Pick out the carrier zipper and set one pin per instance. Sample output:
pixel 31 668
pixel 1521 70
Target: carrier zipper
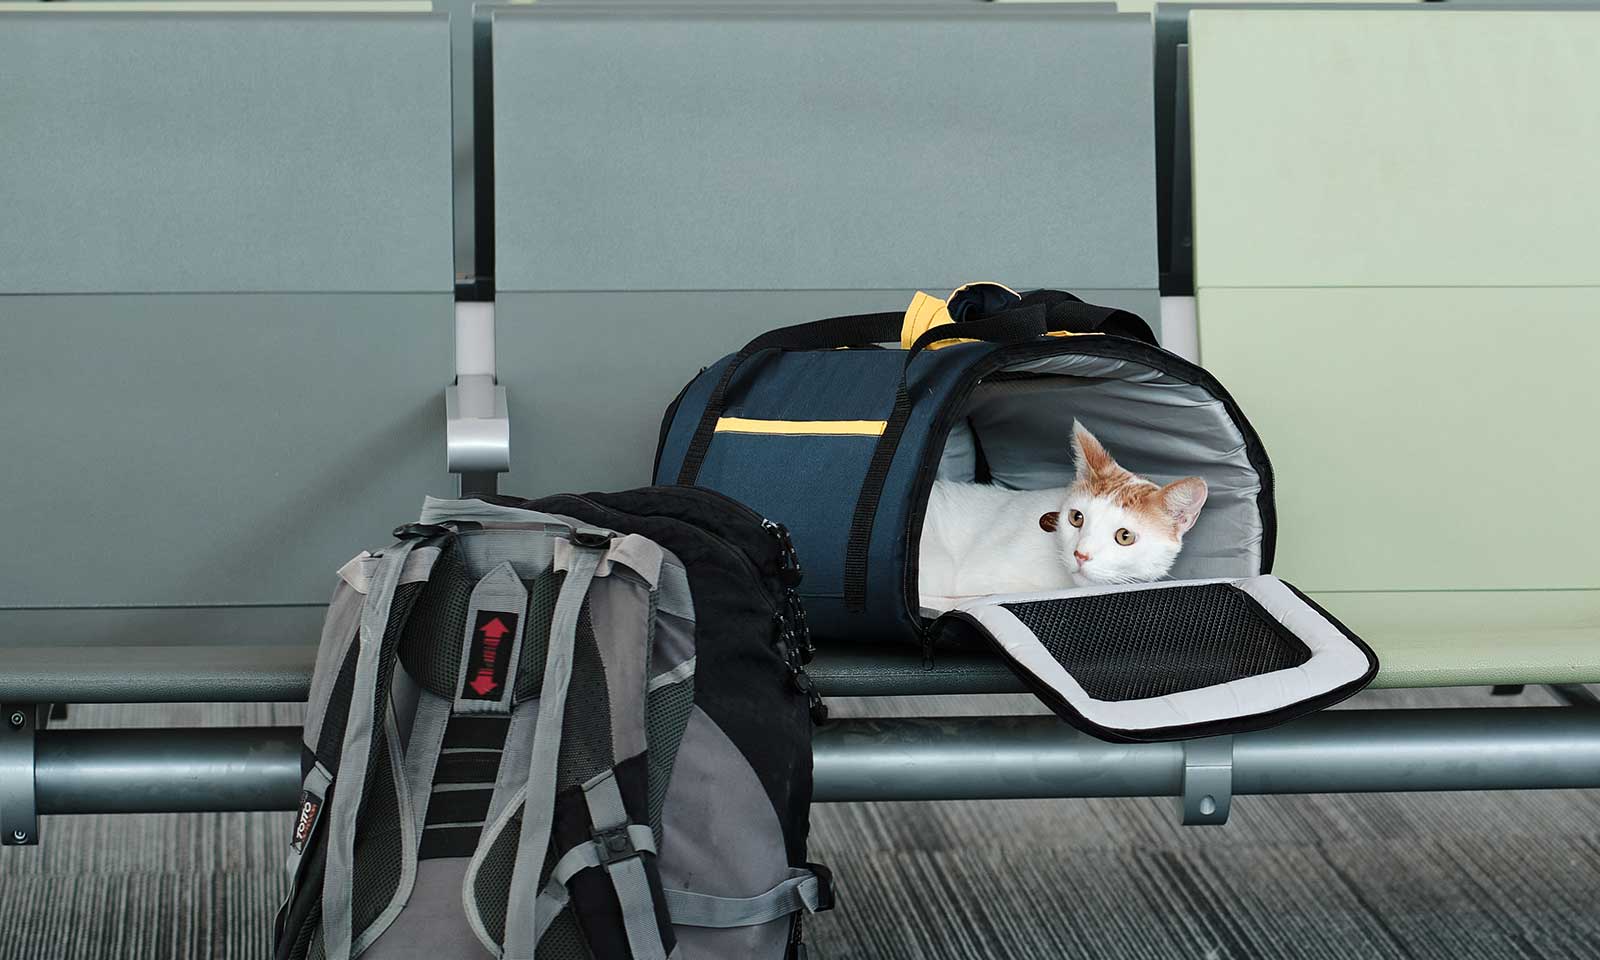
pixel 1117 348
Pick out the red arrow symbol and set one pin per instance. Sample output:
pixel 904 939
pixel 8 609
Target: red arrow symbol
pixel 494 629
pixel 483 682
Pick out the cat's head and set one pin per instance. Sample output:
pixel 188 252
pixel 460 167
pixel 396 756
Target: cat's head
pixel 1118 527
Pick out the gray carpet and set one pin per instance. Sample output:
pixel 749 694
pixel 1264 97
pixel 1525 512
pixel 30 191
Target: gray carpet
pixel 1455 877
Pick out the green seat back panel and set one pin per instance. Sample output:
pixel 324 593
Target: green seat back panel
pixel 1394 147
pixel 1393 219
pixel 1422 438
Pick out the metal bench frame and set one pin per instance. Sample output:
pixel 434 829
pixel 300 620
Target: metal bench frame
pixel 179 770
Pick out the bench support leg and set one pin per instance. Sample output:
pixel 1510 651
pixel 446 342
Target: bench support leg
pixel 19 823
pixel 1207 791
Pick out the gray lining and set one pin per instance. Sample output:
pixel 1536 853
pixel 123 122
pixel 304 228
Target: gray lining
pixel 1152 423
pixel 338 883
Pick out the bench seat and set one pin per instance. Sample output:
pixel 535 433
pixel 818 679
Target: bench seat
pixel 1422 640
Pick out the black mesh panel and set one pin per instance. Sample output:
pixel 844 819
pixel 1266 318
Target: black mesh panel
pixel 667 715
pixel 1150 643
pixel 431 646
pixel 564 941
pixel 586 721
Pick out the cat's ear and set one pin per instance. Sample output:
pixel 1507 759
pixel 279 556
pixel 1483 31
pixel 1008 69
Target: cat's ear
pixel 1182 499
pixel 1089 455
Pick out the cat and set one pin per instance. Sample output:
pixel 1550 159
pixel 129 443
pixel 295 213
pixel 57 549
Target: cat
pixel 1109 526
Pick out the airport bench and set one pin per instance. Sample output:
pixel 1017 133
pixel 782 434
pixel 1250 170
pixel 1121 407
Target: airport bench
pixel 158 636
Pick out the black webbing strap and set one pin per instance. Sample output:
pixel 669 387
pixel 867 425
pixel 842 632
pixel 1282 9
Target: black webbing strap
pixel 849 331
pixel 1019 324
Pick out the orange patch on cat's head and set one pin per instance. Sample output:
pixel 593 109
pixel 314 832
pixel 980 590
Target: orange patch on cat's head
pixel 1174 507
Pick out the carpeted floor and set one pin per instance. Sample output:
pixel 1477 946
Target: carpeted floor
pixel 1448 876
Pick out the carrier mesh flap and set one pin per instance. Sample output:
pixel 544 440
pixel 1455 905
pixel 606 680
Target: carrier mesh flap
pixel 1151 643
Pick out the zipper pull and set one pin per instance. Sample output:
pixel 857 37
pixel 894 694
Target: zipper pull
pixel 789 570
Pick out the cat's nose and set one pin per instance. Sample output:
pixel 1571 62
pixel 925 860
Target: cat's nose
pixel 1082 557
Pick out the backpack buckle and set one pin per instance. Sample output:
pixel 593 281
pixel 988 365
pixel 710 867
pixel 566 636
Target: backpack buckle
pixel 614 845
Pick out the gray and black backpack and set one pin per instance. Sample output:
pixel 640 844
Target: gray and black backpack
pixel 570 728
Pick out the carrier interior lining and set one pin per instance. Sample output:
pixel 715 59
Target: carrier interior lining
pixel 1152 423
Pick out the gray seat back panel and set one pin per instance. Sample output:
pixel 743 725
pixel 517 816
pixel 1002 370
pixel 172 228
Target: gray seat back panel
pixel 224 152
pixel 744 180
pixel 225 318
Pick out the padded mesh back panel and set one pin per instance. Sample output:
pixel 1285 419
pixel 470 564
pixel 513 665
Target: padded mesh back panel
pixel 563 941
pixel 1150 643
pixel 431 646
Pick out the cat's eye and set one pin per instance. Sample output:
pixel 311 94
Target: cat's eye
pixel 1075 517
pixel 1126 536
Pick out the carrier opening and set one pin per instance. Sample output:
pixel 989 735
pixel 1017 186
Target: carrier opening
pixel 1014 430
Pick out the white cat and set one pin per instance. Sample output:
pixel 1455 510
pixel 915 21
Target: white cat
pixel 1109 526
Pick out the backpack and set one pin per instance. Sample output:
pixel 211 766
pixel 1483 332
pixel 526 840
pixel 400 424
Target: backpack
pixel 560 733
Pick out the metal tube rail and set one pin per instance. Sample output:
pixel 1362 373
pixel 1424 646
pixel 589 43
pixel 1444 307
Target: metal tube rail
pixel 1343 751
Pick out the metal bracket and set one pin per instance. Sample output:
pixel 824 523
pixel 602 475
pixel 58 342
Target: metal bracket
pixel 1207 789
pixel 19 822
pixel 477 426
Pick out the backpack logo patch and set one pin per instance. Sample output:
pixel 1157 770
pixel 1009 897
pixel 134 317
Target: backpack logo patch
pixel 306 821
pixel 492 635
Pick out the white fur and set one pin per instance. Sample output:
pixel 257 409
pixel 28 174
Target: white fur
pixel 979 539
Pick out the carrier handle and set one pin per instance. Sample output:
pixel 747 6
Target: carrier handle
pixel 848 331
pixel 1062 312
pixel 1011 326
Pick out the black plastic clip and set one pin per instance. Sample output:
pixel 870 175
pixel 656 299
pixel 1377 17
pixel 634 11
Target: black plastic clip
pixel 614 845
